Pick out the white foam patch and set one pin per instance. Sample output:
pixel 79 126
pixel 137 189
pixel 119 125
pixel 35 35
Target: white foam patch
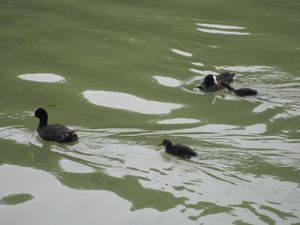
pixel 198 64
pixel 42 77
pixel 167 81
pixel 203 72
pixel 220 26
pixel 119 100
pixel 183 53
pixel 242 68
pixel 213 31
pixel 178 121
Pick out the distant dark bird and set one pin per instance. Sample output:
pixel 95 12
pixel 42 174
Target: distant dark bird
pixel 213 83
pixel 56 132
pixel 240 92
pixel 178 150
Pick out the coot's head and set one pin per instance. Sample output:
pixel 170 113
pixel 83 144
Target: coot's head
pixel 41 114
pixel 210 80
pixel 166 143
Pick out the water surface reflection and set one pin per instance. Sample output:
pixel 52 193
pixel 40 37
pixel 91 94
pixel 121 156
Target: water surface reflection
pixel 220 29
pixel 245 161
pixel 129 102
pixel 178 121
pixel 43 77
pixel 167 81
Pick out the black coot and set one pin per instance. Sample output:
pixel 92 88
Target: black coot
pixel 213 83
pixel 178 150
pixel 55 132
pixel 242 91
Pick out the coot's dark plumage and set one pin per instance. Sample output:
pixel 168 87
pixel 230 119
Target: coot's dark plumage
pixel 213 83
pixel 240 92
pixel 55 132
pixel 178 150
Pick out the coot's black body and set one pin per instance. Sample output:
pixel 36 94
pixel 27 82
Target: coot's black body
pixel 55 132
pixel 213 83
pixel 242 91
pixel 177 149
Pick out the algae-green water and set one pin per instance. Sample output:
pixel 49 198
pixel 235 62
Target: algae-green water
pixel 124 75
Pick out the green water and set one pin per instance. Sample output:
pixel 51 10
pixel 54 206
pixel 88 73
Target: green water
pixel 130 71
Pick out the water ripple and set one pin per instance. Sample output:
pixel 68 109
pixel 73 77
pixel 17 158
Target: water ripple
pixel 243 68
pixel 197 64
pixel 178 121
pixel 212 31
pixel 18 134
pixel 203 72
pixel 183 53
pixel 220 29
pixel 233 159
pixel 219 26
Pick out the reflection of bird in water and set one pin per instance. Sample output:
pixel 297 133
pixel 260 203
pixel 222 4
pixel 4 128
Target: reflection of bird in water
pixel 55 132
pixel 177 149
pixel 240 92
pixel 213 83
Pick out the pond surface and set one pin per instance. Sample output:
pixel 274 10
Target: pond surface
pixel 124 75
